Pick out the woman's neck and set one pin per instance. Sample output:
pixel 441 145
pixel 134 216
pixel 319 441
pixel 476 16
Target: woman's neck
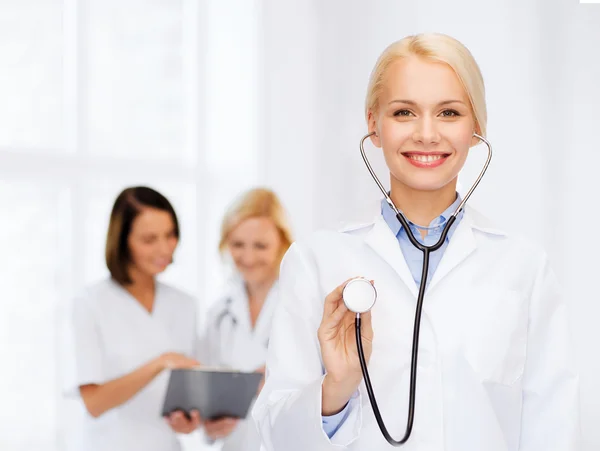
pixel 422 207
pixel 142 288
pixel 258 291
pixel 257 294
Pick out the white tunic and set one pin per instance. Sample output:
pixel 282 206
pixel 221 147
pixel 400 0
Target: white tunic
pixel 230 341
pixel 113 334
pixel 495 368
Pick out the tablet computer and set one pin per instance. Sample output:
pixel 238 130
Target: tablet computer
pixel 213 392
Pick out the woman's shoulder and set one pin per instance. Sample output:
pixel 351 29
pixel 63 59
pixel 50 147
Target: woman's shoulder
pixel 346 234
pixel 99 290
pixel 504 240
pixel 175 294
pixel 94 297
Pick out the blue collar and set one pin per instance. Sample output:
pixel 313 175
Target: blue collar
pixel 396 226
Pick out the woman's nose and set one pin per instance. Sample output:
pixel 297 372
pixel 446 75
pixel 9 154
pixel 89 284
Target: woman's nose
pixel 426 131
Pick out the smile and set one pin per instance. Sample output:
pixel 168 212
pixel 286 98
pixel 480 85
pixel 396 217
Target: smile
pixel 422 160
pixel 425 158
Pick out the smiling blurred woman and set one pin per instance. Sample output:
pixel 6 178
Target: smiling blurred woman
pixel 128 328
pixel 255 234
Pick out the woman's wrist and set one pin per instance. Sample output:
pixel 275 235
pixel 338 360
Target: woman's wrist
pixel 158 365
pixel 335 395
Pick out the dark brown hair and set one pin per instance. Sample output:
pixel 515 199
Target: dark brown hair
pixel 127 207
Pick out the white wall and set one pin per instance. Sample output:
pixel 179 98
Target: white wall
pixel 97 95
pixel 541 65
pixel 289 88
pixel 293 75
pixel 577 153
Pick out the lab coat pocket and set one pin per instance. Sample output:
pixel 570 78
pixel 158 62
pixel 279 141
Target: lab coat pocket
pixel 496 334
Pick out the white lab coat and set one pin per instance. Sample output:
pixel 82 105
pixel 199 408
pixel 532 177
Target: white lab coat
pixel 495 370
pixel 230 342
pixel 112 336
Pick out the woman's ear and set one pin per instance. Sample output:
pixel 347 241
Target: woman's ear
pixel 372 122
pixel 475 140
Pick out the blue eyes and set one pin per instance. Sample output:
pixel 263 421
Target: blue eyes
pixel 408 113
pixel 450 113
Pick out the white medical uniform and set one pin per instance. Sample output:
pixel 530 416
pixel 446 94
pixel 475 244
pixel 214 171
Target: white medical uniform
pixel 231 342
pixel 113 335
pixel 495 368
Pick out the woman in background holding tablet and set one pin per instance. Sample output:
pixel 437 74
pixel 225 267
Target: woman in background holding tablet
pixel 255 234
pixel 128 328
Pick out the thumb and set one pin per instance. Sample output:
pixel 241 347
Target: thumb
pixel 366 327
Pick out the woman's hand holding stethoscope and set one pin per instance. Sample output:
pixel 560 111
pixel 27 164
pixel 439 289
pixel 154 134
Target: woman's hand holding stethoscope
pixel 337 338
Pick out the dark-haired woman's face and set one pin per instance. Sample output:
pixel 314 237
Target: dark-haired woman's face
pixel 152 241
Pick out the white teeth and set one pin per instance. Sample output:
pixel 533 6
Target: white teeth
pixel 425 158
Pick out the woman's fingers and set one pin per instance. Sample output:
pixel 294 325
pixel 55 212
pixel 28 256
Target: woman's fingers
pixel 177 421
pixel 220 428
pixel 196 421
pixel 332 300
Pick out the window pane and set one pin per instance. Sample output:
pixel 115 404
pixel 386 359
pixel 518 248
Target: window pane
pixel 132 78
pixel 31 84
pixel 217 270
pixel 31 243
pixel 231 100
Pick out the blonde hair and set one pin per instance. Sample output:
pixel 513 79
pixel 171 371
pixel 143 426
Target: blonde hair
pixel 438 48
pixel 257 203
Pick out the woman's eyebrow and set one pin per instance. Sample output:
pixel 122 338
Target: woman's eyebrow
pixel 412 102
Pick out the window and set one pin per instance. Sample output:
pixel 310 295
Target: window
pixel 98 95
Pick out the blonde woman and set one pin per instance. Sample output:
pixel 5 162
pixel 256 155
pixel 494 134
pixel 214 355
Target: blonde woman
pixel 495 371
pixel 255 234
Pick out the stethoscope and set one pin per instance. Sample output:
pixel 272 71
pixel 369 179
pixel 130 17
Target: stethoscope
pixel 227 313
pixel 360 295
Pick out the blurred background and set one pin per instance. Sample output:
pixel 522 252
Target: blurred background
pixel 203 99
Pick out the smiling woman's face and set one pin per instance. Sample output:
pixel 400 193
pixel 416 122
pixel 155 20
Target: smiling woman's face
pixel 424 124
pixel 255 246
pixel 152 241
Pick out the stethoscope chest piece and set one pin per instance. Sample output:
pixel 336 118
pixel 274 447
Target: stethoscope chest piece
pixel 359 295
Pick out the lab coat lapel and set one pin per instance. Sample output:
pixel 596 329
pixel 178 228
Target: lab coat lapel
pixel 382 240
pixel 151 331
pixel 461 245
pixel 157 322
pixel 239 305
pixel 263 323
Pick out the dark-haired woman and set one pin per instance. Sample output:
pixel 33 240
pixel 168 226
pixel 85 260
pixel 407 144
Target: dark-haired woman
pixel 128 328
